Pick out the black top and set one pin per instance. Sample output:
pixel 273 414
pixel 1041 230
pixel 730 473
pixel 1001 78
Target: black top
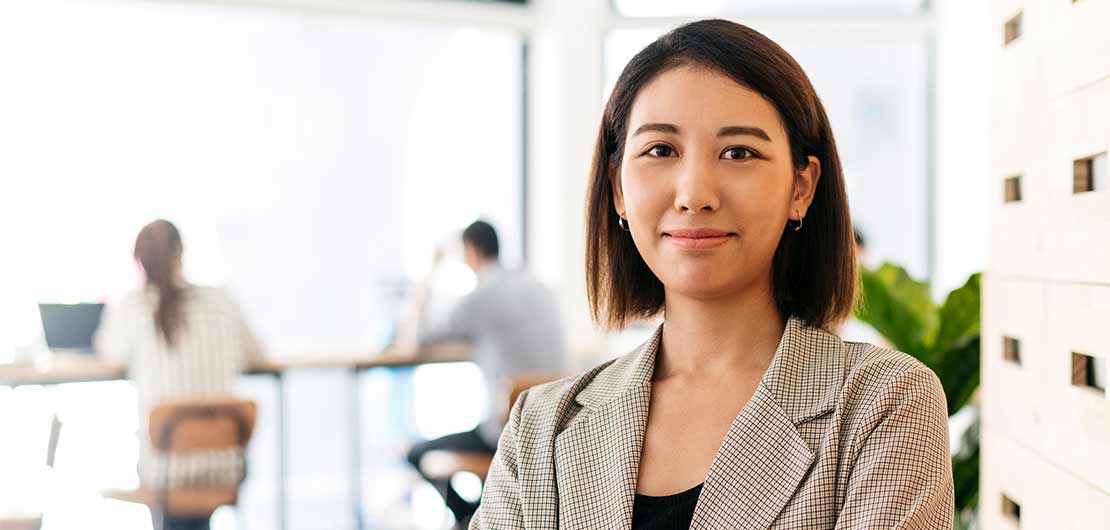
pixel 672 512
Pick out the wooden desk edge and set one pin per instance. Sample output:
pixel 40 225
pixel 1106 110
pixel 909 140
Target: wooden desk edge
pixel 94 369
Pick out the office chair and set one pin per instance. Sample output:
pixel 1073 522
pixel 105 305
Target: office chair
pixel 178 428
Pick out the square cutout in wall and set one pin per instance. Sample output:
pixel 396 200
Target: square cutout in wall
pixel 1012 189
pixel 1090 174
pixel 1088 372
pixel 1012 29
pixel 1011 350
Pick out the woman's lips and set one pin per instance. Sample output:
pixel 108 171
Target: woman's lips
pixel 698 239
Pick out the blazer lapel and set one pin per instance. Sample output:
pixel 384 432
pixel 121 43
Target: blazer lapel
pixel 763 458
pixel 757 469
pixel 597 457
pixel 759 465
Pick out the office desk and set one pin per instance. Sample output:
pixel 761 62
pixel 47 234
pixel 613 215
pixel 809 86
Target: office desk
pixel 60 369
pixel 67 368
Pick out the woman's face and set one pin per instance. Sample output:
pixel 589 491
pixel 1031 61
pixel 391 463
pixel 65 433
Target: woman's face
pixel 706 182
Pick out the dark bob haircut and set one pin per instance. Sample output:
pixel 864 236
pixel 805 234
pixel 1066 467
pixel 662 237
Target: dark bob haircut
pixel 814 269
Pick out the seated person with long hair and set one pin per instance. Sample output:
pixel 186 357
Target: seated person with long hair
pixel 179 341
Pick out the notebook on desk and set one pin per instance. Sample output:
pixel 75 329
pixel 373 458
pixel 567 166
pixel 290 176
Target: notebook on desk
pixel 70 327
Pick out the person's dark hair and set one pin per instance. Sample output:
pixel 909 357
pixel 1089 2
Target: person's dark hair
pixel 158 249
pixel 483 238
pixel 814 269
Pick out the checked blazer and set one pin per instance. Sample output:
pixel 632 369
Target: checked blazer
pixel 838 435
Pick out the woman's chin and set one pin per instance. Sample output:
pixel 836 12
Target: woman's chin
pixel 704 286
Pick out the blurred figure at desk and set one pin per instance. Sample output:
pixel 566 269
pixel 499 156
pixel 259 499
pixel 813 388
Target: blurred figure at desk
pixel 178 341
pixel 512 322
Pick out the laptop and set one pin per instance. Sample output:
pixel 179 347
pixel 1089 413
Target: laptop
pixel 70 326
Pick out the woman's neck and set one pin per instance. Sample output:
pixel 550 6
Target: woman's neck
pixel 721 335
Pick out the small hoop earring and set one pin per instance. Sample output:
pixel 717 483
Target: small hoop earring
pixel 623 223
pixel 800 219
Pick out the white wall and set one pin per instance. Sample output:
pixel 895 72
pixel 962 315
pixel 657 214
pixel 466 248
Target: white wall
pixel 961 135
pixel 565 80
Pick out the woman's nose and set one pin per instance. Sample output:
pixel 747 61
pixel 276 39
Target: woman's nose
pixel 696 190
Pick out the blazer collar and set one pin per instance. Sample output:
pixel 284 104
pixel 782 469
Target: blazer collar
pixel 758 467
pixel 804 376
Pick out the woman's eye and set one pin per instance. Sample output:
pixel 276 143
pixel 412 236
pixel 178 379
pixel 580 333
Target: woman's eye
pixel 660 150
pixel 738 153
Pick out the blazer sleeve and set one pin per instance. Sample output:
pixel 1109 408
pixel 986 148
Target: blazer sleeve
pixel 901 477
pixel 500 506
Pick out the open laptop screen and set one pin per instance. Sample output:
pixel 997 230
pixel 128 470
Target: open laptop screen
pixel 70 326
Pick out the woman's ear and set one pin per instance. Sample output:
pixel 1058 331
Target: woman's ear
pixel 618 189
pixel 805 186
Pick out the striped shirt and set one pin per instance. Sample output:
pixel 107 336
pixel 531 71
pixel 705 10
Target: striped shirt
pixel 212 347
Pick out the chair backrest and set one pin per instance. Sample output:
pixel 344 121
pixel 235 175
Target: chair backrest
pixel 202 425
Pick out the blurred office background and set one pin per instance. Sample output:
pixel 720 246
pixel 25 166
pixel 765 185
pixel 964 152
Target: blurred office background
pixel 315 153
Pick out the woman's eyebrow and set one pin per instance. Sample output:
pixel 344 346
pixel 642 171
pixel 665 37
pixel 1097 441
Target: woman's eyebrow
pixel 739 130
pixel 657 127
pixel 734 130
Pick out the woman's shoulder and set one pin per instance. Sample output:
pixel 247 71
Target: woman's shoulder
pixel 878 381
pixel 557 402
pixel 209 293
pixel 137 299
pixel 863 355
pixel 548 396
pixel 210 298
pixel 877 365
pixel 146 295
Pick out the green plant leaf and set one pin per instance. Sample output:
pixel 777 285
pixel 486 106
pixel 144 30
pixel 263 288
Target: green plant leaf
pixel 958 371
pixel 898 307
pixel 965 478
pixel 959 316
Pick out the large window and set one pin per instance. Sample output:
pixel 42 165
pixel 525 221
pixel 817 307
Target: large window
pixel 309 159
pixel 312 161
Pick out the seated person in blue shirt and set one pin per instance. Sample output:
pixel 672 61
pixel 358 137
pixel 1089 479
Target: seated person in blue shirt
pixel 512 322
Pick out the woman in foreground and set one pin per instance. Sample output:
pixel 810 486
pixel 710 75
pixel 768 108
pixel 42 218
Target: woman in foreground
pixel 717 200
